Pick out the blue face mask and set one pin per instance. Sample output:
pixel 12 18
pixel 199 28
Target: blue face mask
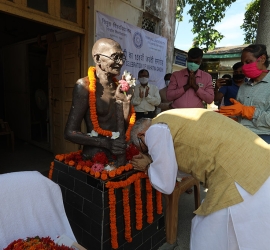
pixel 192 66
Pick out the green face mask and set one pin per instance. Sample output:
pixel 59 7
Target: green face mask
pixel 192 66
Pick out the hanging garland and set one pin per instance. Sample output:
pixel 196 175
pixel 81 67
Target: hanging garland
pixel 126 206
pixel 93 108
pixel 149 202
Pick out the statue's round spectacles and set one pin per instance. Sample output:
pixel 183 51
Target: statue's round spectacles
pixel 115 57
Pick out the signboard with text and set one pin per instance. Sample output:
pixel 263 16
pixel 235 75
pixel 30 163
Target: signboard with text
pixel 143 49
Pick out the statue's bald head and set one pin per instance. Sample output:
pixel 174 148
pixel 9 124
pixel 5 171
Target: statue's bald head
pixel 103 44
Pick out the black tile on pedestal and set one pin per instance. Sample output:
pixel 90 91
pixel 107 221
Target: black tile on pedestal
pixel 83 189
pixel 132 200
pixel 136 242
pixel 106 232
pixel 61 166
pixel 108 245
pixel 106 198
pixel 121 237
pixel 78 231
pixel 120 223
pixel 66 180
pixel 161 221
pixel 69 211
pixel 93 211
pixel 106 218
pixel 157 236
pixel 145 245
pixel 118 194
pixel 149 231
pixel 74 199
pixel 96 183
pixel 96 230
pixel 55 175
pixel 78 174
pixel 98 197
pixel 90 243
pixel 119 207
pixel 82 220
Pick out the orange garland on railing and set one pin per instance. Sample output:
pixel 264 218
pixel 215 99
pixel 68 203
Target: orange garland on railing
pixel 149 202
pixel 93 108
pixel 127 214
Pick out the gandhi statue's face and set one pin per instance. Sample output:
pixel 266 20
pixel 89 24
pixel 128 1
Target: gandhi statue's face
pixel 111 59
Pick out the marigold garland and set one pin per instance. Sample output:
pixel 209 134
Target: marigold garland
pixel 149 202
pixel 93 108
pixel 74 159
pixel 126 206
pixel 138 204
pixel 33 243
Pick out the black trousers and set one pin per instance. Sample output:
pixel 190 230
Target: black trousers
pixel 148 114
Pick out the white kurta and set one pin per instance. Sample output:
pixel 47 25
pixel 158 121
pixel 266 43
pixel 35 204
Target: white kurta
pixel 163 170
pixel 244 226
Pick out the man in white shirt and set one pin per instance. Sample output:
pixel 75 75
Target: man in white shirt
pixel 146 96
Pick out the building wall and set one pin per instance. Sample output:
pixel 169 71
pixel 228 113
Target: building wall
pixel 133 12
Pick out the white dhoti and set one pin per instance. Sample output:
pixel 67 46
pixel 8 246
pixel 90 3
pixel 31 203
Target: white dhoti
pixel 244 226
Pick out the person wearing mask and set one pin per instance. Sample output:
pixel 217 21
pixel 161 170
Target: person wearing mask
pixel 191 87
pixel 146 96
pixel 227 88
pixel 165 104
pixel 252 105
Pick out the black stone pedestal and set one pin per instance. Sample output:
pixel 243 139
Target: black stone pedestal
pixel 87 208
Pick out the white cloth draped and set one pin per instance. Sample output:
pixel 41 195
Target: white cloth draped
pixel 244 226
pixel 31 205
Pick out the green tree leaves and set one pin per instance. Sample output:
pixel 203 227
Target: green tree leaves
pixel 205 14
pixel 251 19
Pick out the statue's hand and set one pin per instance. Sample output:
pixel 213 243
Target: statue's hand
pixel 124 97
pixel 118 146
pixel 130 93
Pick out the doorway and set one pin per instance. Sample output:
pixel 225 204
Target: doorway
pixel 38 90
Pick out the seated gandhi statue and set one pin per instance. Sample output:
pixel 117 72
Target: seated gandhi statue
pixel 95 100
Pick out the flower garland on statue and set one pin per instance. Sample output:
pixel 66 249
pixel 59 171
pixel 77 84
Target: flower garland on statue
pixel 44 243
pixel 93 109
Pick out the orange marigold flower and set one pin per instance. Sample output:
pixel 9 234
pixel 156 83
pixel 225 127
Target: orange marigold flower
pixel 87 169
pixel 71 163
pixel 97 174
pixel 118 171
pixel 78 167
pixel 104 176
pixel 112 173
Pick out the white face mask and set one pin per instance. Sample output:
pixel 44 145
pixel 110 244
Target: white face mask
pixel 167 82
pixel 143 80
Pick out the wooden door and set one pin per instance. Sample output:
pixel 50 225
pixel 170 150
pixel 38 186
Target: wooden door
pixel 63 73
